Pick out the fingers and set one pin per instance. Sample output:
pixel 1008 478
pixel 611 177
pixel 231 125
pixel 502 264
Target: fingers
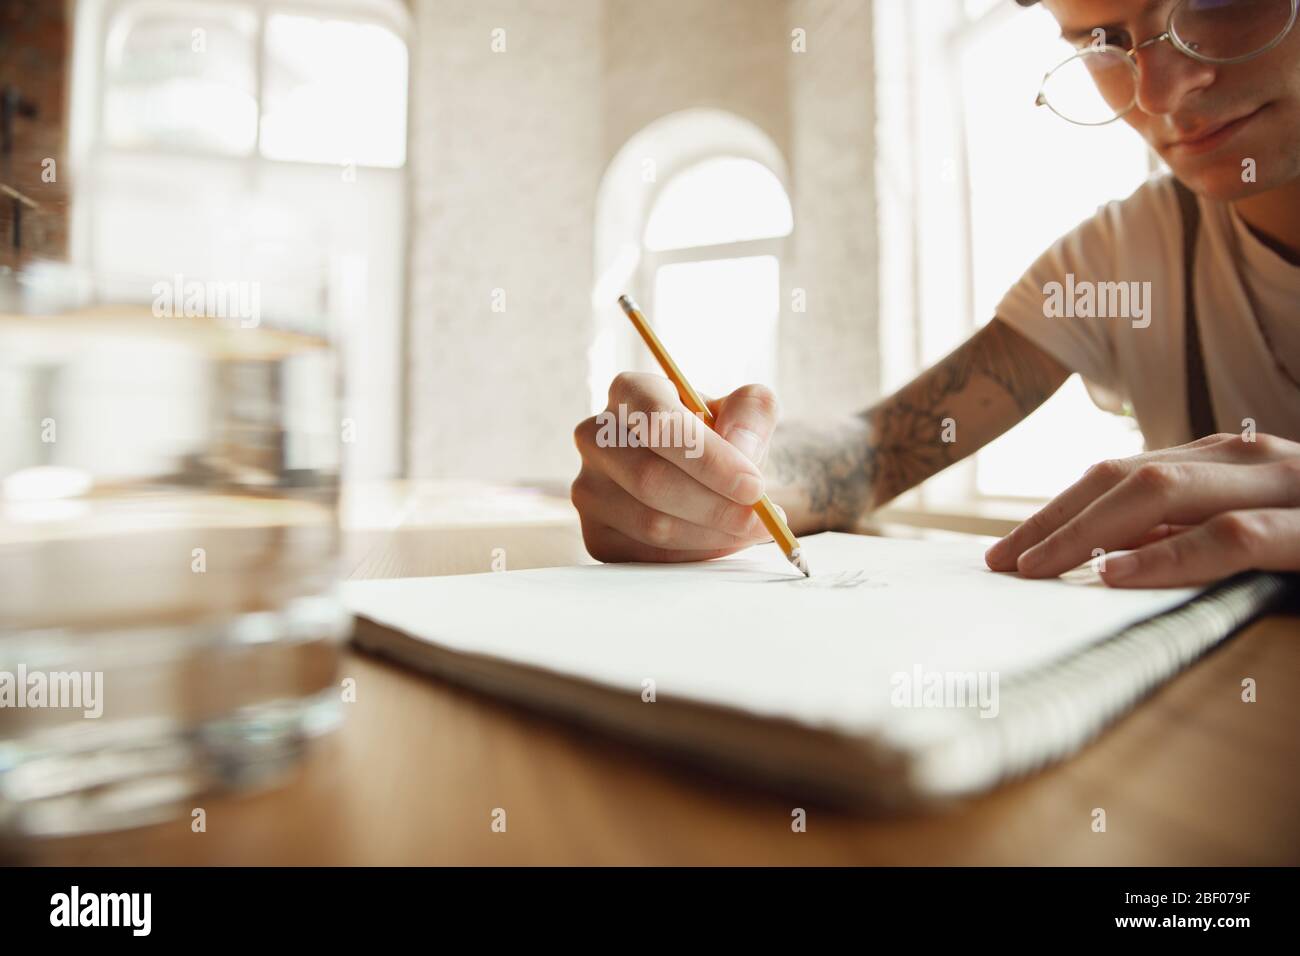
pixel 1264 539
pixel 661 486
pixel 657 484
pixel 746 419
pixel 1158 533
pixel 1101 478
pixel 611 546
pixel 1158 493
pixel 602 503
pixel 667 428
pixel 1098 479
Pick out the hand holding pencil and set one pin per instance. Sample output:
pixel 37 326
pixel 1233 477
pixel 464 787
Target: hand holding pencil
pixel 663 503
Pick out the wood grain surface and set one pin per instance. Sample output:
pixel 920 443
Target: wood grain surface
pixel 1192 776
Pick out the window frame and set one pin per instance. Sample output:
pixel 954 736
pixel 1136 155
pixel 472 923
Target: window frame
pixel 651 261
pixel 387 14
pixel 625 197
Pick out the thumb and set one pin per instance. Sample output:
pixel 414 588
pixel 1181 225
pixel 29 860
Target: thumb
pixel 746 418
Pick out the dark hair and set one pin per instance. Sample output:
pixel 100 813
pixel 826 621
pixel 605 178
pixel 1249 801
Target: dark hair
pixel 1026 3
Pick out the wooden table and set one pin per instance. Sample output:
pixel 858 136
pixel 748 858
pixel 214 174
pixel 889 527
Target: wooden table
pixel 1193 776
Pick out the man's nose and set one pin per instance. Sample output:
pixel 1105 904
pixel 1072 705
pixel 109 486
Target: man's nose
pixel 1166 77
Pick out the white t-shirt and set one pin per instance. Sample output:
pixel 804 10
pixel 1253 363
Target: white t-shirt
pixel 1247 301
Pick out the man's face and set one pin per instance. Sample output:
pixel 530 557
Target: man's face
pixel 1203 119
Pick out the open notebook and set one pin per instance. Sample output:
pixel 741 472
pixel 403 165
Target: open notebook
pixel 901 671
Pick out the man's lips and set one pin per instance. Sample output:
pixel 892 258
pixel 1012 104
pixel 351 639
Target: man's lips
pixel 1211 136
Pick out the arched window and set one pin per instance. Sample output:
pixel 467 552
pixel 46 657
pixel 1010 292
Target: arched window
pixel 692 219
pixel 718 201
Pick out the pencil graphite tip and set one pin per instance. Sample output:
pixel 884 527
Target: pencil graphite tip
pixel 626 302
pixel 798 560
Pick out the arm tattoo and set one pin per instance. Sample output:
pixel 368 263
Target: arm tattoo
pixel 946 413
pixel 833 466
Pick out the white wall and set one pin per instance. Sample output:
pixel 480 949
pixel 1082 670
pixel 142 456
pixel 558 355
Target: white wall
pixel 505 159
pixel 829 354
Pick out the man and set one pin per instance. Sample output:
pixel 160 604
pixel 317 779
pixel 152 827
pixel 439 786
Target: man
pixel 1214 87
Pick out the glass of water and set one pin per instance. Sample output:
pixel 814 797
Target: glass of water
pixel 168 541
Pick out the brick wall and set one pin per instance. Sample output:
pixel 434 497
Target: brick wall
pixel 34 45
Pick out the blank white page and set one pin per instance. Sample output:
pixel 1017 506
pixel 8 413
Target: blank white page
pixel 749 633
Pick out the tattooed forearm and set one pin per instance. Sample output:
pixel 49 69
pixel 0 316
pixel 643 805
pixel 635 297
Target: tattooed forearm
pixel 957 406
pixel 1023 371
pixel 949 411
pixel 828 470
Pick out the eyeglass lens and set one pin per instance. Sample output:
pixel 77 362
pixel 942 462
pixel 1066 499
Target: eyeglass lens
pixel 1100 84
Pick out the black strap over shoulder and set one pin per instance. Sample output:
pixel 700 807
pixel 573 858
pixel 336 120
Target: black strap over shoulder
pixel 1200 408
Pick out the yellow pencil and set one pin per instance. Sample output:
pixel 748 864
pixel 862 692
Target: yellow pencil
pixel 764 508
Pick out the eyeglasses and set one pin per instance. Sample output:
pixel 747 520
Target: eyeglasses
pixel 1099 84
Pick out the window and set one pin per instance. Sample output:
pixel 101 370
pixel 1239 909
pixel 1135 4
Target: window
pixel 335 92
pixel 261 142
pixel 184 76
pixel 981 181
pixel 699 246
pixel 721 317
pixel 720 200
pixel 714 299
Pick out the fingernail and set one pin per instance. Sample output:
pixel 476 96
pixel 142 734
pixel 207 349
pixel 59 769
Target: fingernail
pixel 1120 567
pixel 746 442
pixel 747 489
